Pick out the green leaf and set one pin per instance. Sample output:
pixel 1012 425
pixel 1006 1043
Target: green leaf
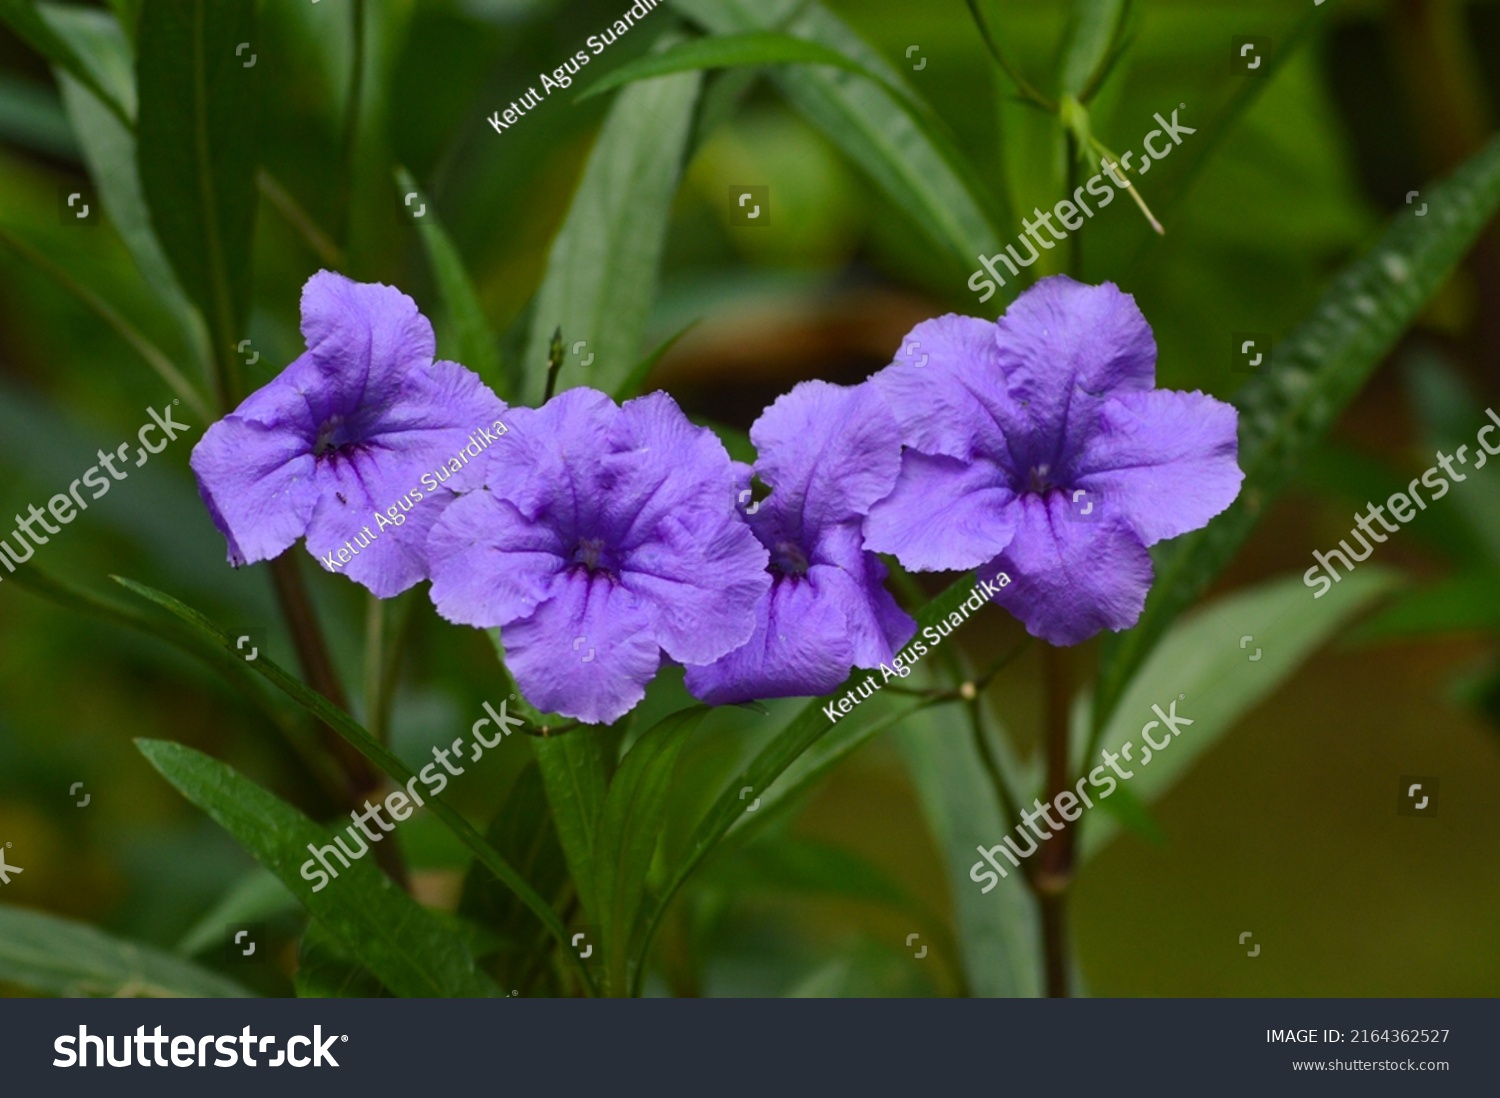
pixel 325 970
pixel 477 346
pixel 255 897
pixel 1094 31
pixel 1469 601
pixel 805 730
pixel 56 956
pixel 351 731
pixel 197 157
pixel 25 18
pixel 576 774
pixel 641 371
pixel 524 833
pixel 733 50
pixel 635 811
pixel 391 934
pixel 1210 670
pixel 920 170
pixel 997 930
pixel 603 266
pixel 1309 379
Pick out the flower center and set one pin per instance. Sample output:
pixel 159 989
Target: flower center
pixel 594 558
pixel 1039 482
pixel 788 558
pixel 332 439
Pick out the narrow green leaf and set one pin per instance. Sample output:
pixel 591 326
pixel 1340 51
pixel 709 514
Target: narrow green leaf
pixel 805 730
pixel 25 18
pixel 109 149
pixel 640 373
pixel 998 931
pixel 635 811
pixel 56 956
pixel 1093 33
pixel 576 774
pixel 1309 379
pixel 325 970
pixel 1216 665
pixel 907 155
pixel 391 934
pixel 254 898
pixel 721 51
pixel 197 157
pixel 1466 602
pixel 350 729
pixel 477 346
pixel 603 266
pixel 525 834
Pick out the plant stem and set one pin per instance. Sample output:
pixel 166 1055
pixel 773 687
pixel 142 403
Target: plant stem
pixel 350 137
pixel 1055 871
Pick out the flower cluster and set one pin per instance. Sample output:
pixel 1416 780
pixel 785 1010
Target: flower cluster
pixel 603 539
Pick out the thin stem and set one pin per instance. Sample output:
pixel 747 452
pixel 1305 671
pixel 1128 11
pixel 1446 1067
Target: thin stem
pixel 142 346
pixel 991 762
pixel 360 777
pixel 374 663
pixel 1055 870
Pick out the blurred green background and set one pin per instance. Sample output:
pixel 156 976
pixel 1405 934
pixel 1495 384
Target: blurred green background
pixel 1287 828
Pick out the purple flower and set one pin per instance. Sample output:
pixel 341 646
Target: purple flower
pixel 605 537
pixel 1039 446
pixel 828 453
pixel 339 446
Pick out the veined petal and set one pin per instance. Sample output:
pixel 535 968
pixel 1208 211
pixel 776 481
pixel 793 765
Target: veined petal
pixel 490 565
pixel 364 335
pixel 944 513
pixel 587 652
pixel 1166 460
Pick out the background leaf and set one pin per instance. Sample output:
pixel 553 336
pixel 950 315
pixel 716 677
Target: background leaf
pixel 56 956
pixel 629 826
pixel 1311 376
pixel 197 156
pixel 1202 658
pixel 385 929
pixel 602 269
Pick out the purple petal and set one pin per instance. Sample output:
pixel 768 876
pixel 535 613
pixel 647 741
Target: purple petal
pixel 944 514
pixel 877 625
pixel 946 388
pixel 1071 579
pixel 365 335
pixel 424 447
pixel 800 645
pixel 257 482
pixel 587 652
pixel 703 572
pixel 1064 347
pixel 829 453
pixel 1165 460
pixel 490 564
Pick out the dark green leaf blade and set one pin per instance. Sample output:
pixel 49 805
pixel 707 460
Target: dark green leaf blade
pixel 603 266
pixel 197 155
pixel 733 50
pixel 26 20
pixel 1310 378
pixel 56 956
pixel 350 729
pixel 477 346
pixel 634 812
pixel 575 772
pixel 385 929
